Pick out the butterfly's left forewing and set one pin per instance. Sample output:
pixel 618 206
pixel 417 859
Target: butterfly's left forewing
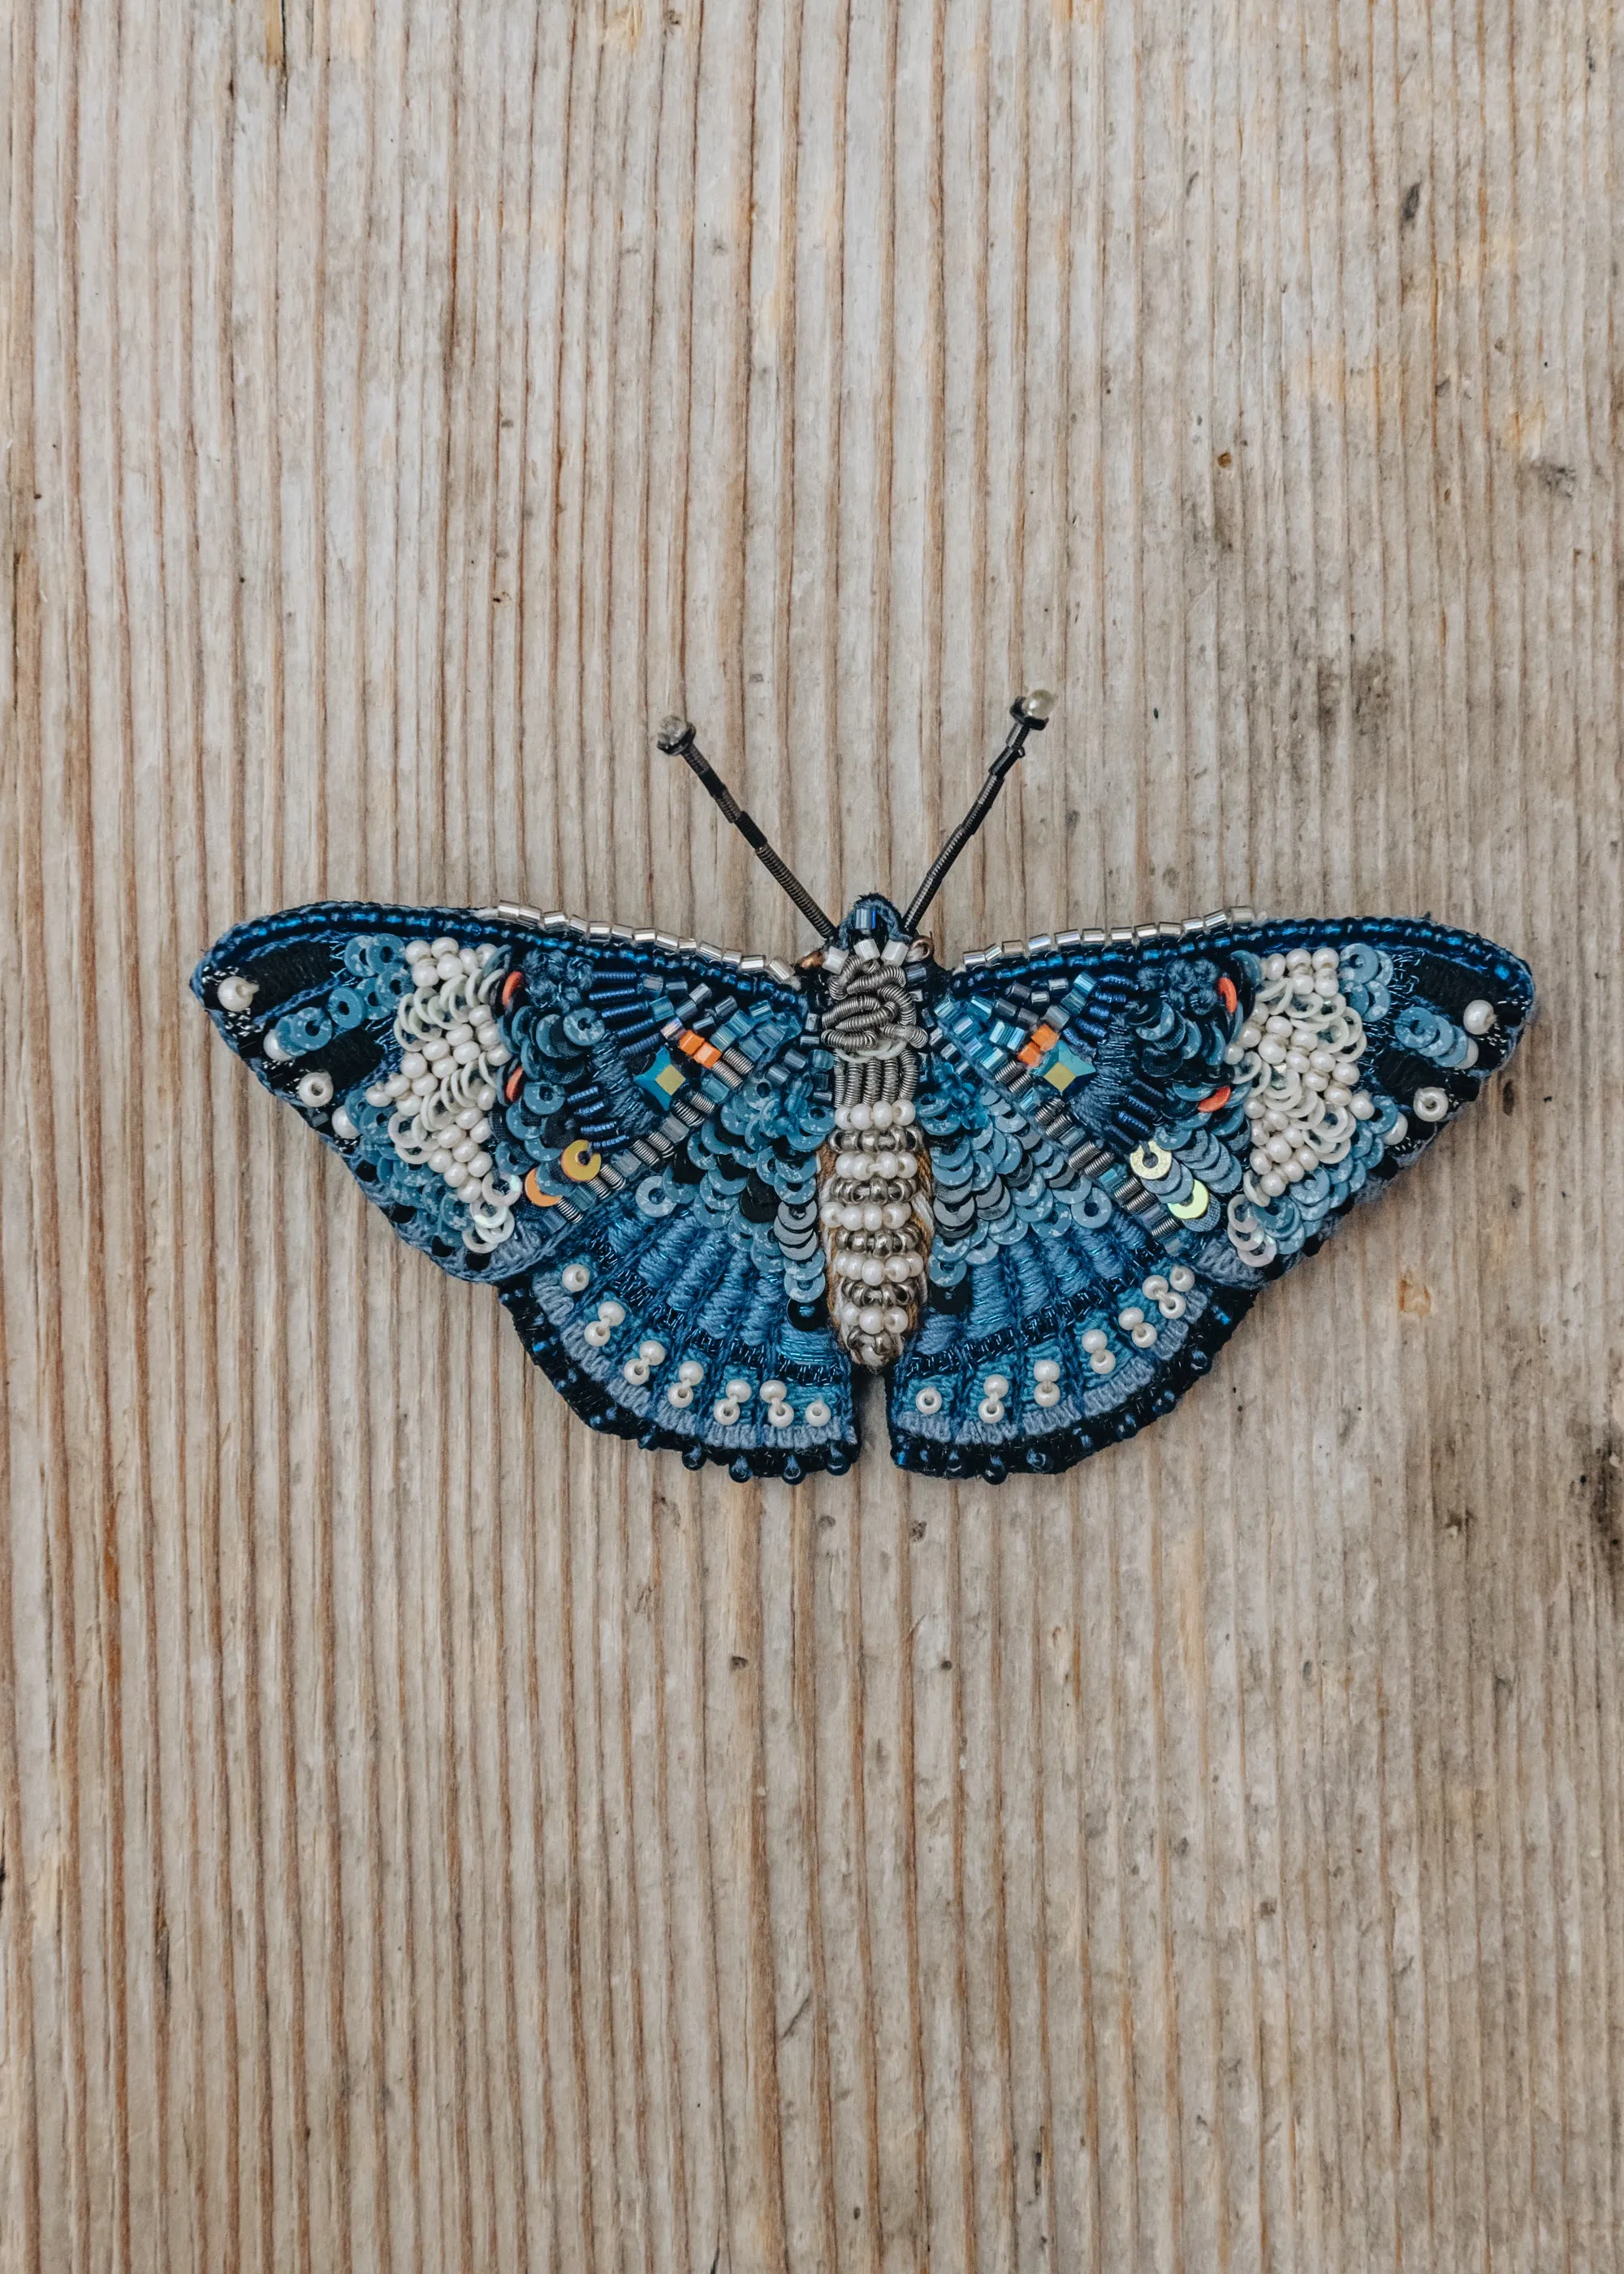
pixel 1130 1136
pixel 616 1130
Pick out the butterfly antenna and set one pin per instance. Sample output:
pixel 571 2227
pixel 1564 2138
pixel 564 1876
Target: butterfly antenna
pixel 1028 715
pixel 676 739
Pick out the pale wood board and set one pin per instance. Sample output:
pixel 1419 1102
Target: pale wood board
pixel 434 1837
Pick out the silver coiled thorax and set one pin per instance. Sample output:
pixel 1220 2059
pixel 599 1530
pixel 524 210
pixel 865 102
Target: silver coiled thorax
pixel 873 1173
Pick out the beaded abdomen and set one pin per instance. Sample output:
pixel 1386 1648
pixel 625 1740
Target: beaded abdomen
pixel 874 1174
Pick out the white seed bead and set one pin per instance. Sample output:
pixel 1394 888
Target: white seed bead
pixel 817 1414
pixel 1046 1369
pixel 651 1353
pixel 1274 1184
pixel 597 1334
pixel 726 1410
pixel 894 1319
pixel 1429 1104
pixel 850 1217
pixel 1143 1337
pixel 861 1117
pixel 235 994
pixel 1171 1306
pixel 929 1400
pixel 344 1127
pixel 1094 1341
pixel 456 1175
pixel 439 1160
pixel 610 1313
pixel 316 1089
pixel 880 1114
pixel 1361 1105
pixel 1181 1278
pixel 773 1393
pixel 1155 1286
pixel 738 1391
pixel 870 1319
pixel 636 1371
pixel 1103 1362
pixel 902 1112
pixel 1134 1316
pixel 991 1409
pixel 873 1218
pixel 1479 1018
pixel 1046 1393
pixel 780 1413
pixel 894 1215
pixel 1274 966
pixel 275 1051
pixel 575 1276
pixel 996 1385
pixel 680 1393
pixel 691 1371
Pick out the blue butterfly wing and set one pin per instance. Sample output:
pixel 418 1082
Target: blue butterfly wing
pixel 617 1130
pixel 1098 1110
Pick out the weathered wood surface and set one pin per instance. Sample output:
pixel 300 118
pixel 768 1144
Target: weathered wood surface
pixel 435 1837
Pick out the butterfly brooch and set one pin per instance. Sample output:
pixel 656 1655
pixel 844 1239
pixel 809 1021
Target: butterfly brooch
pixel 1037 1192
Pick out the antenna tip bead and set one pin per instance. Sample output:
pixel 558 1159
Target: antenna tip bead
pixel 674 735
pixel 1036 708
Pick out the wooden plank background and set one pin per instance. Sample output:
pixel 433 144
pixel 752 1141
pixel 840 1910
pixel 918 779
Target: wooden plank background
pixel 434 1838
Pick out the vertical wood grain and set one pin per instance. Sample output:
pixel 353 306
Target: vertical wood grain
pixel 432 1836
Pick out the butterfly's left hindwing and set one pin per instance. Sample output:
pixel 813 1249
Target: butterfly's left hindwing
pixel 616 1131
pixel 1130 1136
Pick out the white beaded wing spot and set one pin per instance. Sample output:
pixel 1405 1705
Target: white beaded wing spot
pixel 446 1085
pixel 1298 1055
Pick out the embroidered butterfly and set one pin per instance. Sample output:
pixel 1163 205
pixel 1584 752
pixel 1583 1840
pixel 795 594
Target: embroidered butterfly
pixel 1037 1192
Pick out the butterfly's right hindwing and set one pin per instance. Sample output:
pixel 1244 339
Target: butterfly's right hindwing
pixel 618 1132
